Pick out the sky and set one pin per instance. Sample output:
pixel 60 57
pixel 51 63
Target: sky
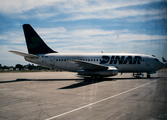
pixel 85 26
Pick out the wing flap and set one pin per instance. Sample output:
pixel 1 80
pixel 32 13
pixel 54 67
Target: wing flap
pixel 24 54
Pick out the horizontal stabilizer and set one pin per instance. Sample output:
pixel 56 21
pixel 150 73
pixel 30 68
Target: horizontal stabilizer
pixel 24 54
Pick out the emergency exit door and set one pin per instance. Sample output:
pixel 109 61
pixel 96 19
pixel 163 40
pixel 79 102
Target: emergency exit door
pixel 148 62
pixel 52 61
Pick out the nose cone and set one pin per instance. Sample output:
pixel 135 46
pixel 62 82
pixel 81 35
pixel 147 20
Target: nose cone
pixel 161 65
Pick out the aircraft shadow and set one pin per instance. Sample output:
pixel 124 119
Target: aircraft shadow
pixel 88 81
pixel 81 81
pixel 23 80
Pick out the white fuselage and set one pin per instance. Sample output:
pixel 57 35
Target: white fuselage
pixel 136 63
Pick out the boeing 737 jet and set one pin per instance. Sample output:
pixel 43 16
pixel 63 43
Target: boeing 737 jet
pixel 87 64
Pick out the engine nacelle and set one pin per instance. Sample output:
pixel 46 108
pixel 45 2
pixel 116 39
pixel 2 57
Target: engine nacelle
pixel 104 73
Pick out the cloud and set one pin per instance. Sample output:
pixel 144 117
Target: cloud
pixel 3 37
pixel 110 10
pixel 91 6
pixel 125 34
pixel 20 6
pixel 38 15
pixel 72 10
pixel 10 37
pixel 111 14
pixel 61 34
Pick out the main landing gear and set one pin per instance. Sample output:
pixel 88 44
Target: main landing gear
pixel 141 74
pixel 148 75
pixel 138 74
pixel 96 77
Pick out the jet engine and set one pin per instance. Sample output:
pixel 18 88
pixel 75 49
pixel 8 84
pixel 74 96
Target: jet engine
pixel 104 73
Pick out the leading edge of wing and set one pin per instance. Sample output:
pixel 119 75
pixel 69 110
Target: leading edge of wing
pixel 89 66
pixel 24 54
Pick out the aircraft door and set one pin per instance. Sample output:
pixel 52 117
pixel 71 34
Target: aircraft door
pixel 148 62
pixel 52 61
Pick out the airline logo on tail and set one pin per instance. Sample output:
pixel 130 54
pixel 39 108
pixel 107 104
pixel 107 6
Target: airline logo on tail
pixel 36 41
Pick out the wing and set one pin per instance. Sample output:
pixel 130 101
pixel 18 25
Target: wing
pixel 90 66
pixel 24 54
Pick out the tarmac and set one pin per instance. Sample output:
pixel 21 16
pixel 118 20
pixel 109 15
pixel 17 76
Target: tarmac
pixel 66 96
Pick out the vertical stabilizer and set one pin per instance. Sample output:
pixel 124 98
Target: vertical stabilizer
pixel 35 44
pixel 163 59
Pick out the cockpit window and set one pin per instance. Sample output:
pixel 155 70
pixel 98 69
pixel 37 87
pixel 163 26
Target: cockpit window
pixel 156 60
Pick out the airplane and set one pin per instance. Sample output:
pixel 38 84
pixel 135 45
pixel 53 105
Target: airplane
pixel 87 64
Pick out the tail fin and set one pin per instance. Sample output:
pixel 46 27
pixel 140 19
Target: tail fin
pixel 35 44
pixel 163 59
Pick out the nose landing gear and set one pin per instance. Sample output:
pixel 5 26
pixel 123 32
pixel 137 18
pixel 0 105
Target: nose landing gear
pixel 148 75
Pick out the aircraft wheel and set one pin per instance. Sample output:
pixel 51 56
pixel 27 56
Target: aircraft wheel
pixel 133 74
pixel 93 77
pixel 148 76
